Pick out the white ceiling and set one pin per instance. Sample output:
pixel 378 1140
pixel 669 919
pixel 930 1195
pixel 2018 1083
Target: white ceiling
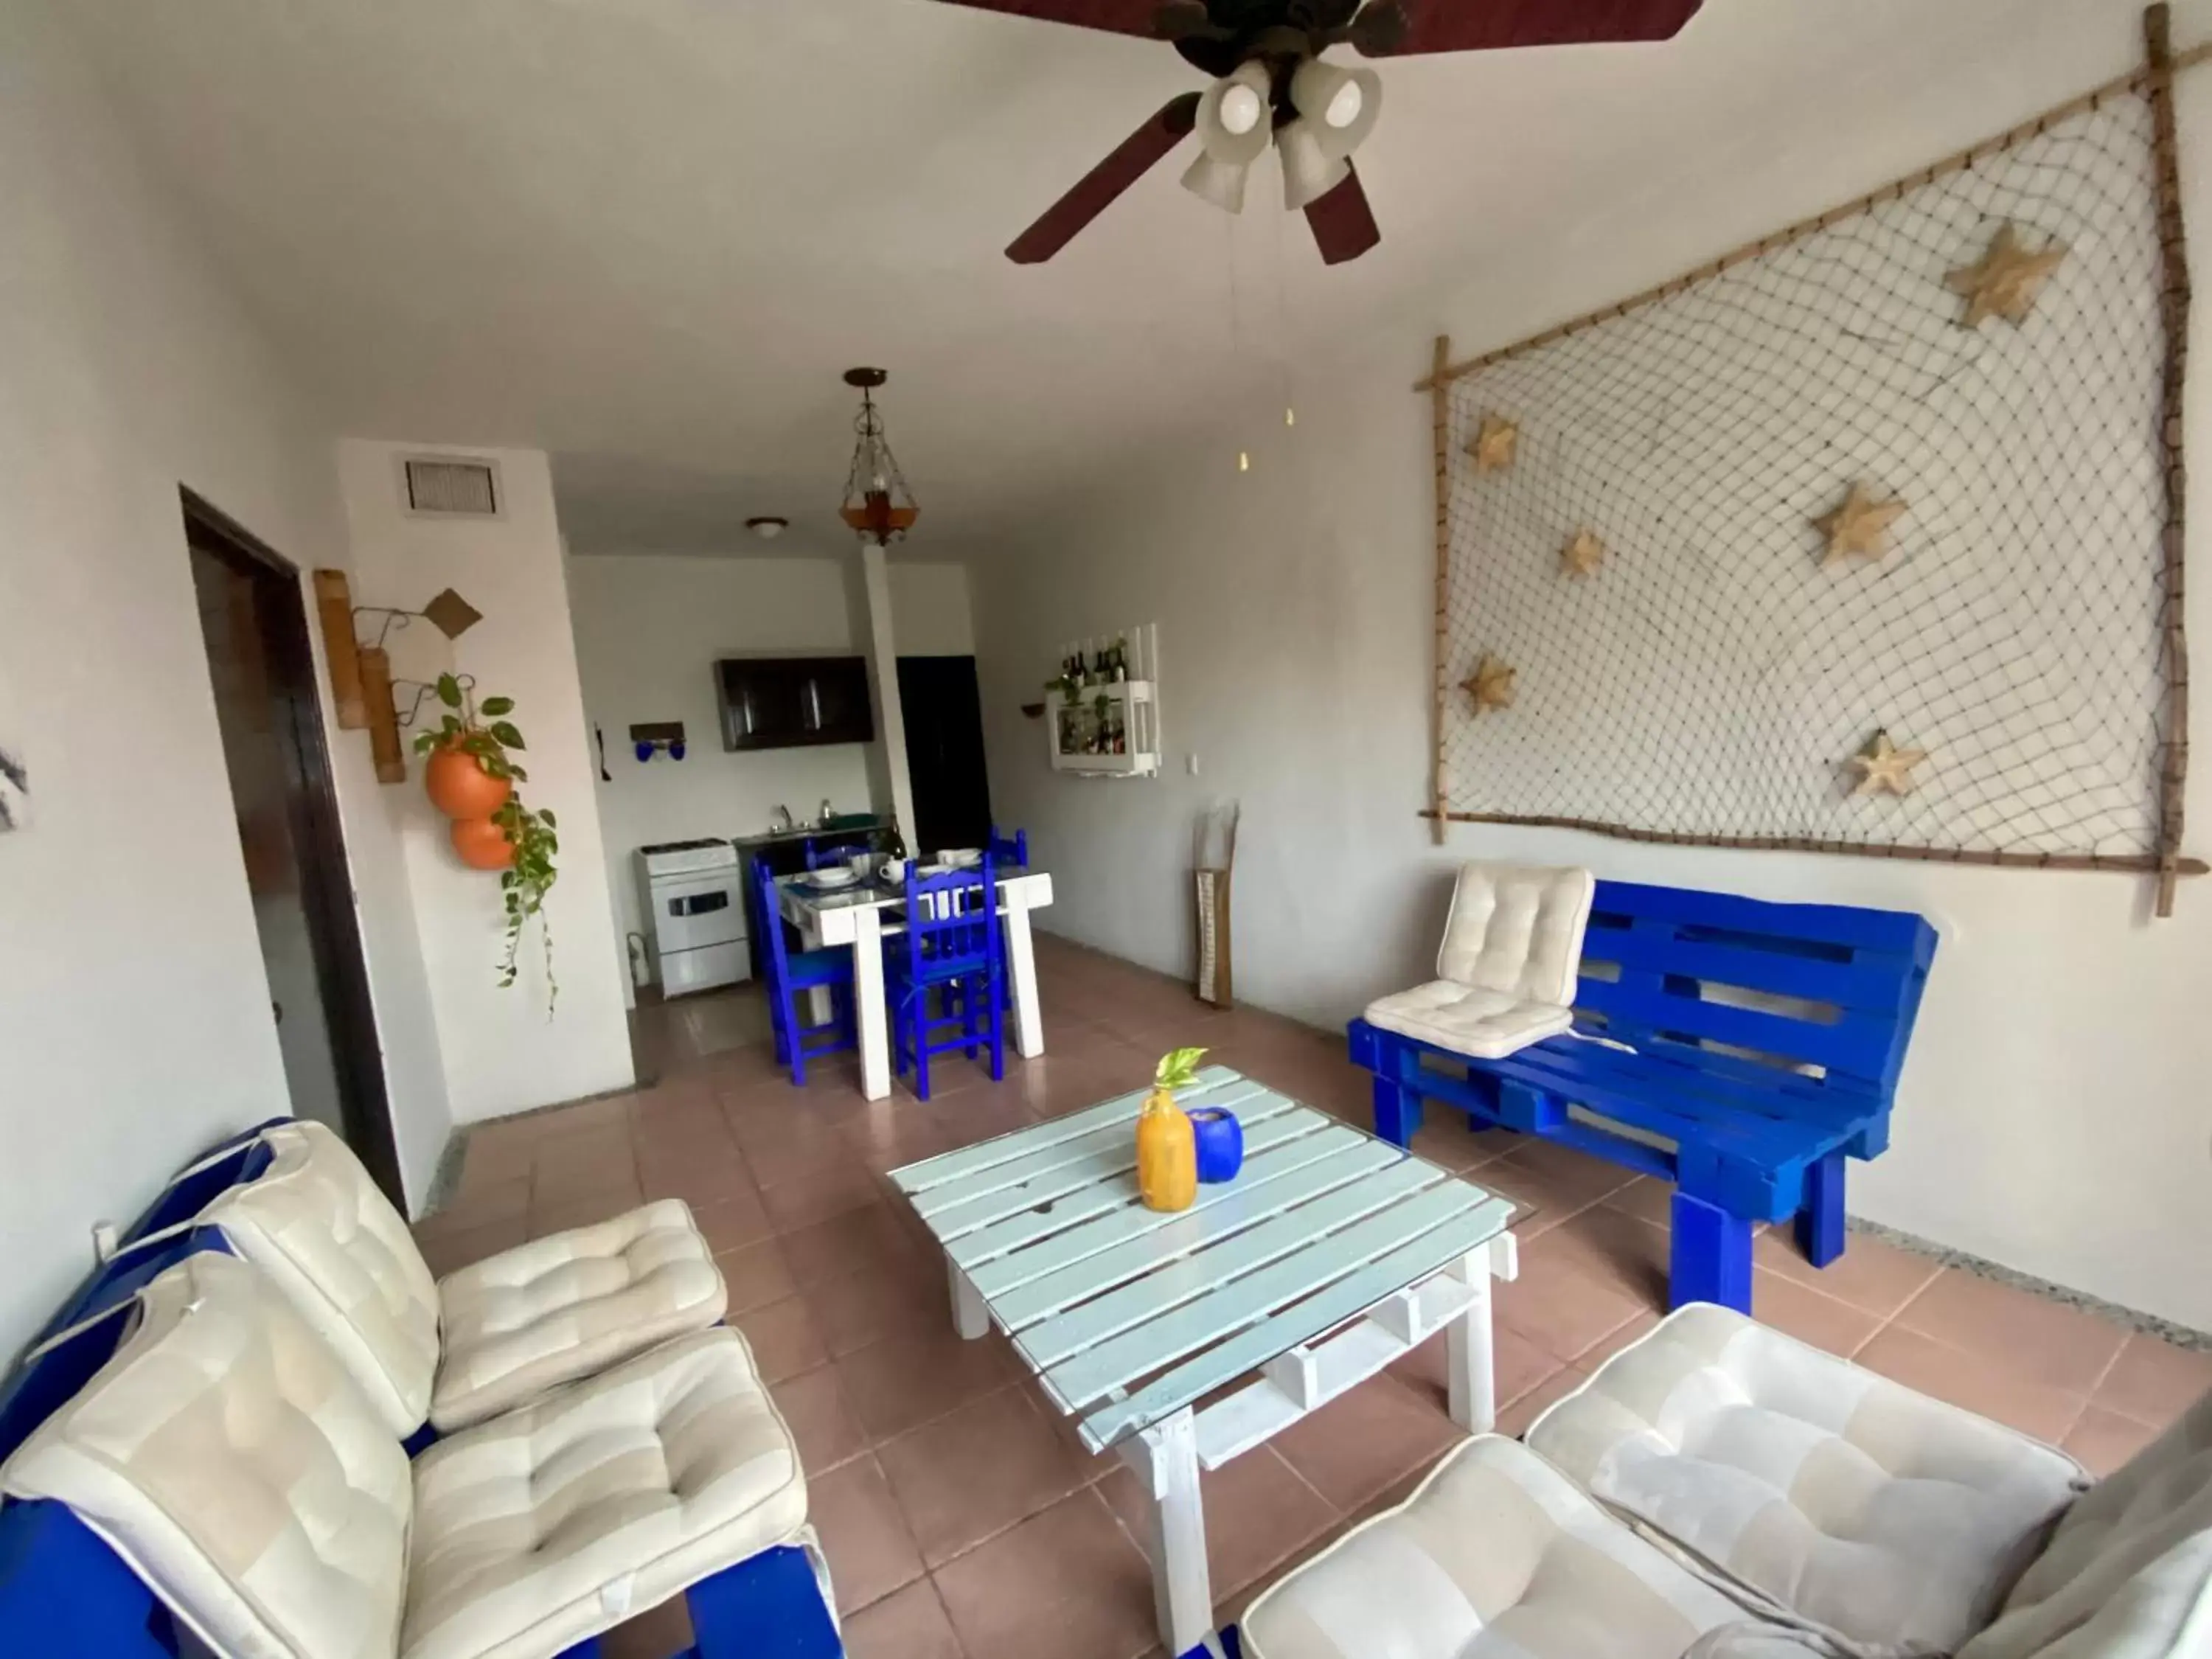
pixel 647 235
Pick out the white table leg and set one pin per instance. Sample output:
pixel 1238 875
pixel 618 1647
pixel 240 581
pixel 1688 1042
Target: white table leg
pixel 868 1002
pixel 1021 964
pixel 971 1317
pixel 1165 1459
pixel 1470 1373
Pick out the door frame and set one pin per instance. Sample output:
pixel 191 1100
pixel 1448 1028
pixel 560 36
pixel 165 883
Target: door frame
pixel 326 873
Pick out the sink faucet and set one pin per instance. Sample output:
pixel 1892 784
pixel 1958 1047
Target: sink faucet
pixel 782 813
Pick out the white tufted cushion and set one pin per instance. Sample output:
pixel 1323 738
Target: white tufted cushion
pixel 557 1309
pixel 543 1527
pixel 2127 1575
pixel 1517 929
pixel 1853 1502
pixel 315 1222
pixel 1484 1024
pixel 237 1466
pixel 1495 1556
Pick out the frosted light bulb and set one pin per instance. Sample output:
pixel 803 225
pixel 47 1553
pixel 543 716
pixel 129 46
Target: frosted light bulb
pixel 1344 108
pixel 1290 416
pixel 1241 109
pixel 1243 460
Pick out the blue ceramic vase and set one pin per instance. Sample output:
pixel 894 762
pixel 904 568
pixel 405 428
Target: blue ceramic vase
pixel 1221 1144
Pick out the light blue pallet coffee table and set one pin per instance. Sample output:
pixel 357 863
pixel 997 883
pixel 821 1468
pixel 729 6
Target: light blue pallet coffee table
pixel 1331 1254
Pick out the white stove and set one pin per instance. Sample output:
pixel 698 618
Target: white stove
pixel 694 892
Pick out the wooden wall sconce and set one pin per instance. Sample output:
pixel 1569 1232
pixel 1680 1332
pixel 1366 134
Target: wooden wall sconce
pixel 361 675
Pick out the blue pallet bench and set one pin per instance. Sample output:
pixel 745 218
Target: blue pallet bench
pixel 65 1594
pixel 1760 1043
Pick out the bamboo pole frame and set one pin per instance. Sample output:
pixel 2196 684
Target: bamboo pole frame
pixel 2174 308
pixel 2155 81
pixel 1440 440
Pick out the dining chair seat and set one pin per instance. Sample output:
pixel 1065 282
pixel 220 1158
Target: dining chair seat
pixel 787 973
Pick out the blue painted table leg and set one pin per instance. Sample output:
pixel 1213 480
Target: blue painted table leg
pixel 1821 1222
pixel 1397 1110
pixel 1711 1256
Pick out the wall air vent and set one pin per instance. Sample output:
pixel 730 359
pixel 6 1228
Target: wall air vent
pixel 451 487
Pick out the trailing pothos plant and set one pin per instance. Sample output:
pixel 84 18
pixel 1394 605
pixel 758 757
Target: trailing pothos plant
pixel 483 732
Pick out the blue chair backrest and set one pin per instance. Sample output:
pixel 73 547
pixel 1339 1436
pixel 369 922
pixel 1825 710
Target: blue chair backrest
pixel 1830 984
pixel 1010 850
pixel 775 955
pixel 952 921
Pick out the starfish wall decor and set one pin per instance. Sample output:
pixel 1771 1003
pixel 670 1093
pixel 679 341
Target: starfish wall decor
pixel 1859 528
pixel 1494 446
pixel 1883 767
pixel 1582 557
pixel 2005 281
pixel 1491 686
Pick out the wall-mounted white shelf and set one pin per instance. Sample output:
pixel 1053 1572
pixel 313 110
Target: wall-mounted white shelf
pixel 1110 728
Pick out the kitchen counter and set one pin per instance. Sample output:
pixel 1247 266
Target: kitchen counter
pixel 853 826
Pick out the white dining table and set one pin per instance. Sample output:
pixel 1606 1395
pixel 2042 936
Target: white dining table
pixel 866 914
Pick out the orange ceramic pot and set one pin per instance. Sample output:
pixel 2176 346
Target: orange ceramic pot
pixel 461 788
pixel 482 845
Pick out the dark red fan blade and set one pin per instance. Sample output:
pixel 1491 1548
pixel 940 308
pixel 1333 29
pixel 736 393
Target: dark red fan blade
pixel 1117 16
pixel 1486 24
pixel 1343 223
pixel 1100 187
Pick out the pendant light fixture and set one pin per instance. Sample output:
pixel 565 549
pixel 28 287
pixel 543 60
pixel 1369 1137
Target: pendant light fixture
pixel 877 505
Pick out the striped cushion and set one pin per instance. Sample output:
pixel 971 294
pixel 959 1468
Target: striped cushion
pixel 1494 1556
pixel 1839 1497
pixel 1517 929
pixel 2127 1575
pixel 237 1466
pixel 316 1224
pixel 538 1529
pixel 557 1309
pixel 1484 1024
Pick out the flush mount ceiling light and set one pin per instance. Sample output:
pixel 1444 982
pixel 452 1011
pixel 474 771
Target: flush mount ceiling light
pixel 768 529
pixel 877 505
pixel 1270 84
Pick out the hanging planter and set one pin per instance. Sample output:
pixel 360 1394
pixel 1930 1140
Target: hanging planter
pixel 461 787
pixel 471 777
pixel 481 844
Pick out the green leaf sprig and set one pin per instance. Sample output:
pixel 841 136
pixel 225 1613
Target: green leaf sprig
pixel 1178 1068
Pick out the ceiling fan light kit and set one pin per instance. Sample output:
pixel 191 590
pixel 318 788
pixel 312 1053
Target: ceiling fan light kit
pixel 1271 82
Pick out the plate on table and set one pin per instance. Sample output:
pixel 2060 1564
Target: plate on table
pixel 961 858
pixel 831 881
pixel 933 869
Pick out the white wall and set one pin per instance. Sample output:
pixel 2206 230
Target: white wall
pixel 134 1012
pixel 930 611
pixel 650 630
pixel 2055 1114
pixel 501 1052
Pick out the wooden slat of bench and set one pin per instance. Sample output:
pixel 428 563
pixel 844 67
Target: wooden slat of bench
pixel 1678 1115
pixel 1857 1044
pixel 1873 981
pixel 1563 1064
pixel 1897 931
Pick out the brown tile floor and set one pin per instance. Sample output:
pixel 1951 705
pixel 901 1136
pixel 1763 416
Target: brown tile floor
pixel 960 1515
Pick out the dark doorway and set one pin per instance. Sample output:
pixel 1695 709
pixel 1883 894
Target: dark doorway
pixel 944 752
pixel 261 665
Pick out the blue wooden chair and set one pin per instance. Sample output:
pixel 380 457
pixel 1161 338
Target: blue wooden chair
pixel 955 948
pixel 1013 850
pixel 788 973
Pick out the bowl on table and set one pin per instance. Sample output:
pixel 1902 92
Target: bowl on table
pixel 831 879
pixel 961 858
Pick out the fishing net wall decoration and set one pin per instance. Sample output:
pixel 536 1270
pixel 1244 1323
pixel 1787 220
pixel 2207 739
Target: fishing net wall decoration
pixel 1788 554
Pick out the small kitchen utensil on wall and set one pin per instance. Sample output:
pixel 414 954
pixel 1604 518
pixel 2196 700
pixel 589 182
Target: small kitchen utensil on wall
pixel 1213 854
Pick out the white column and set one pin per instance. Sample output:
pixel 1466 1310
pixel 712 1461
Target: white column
pixel 884 653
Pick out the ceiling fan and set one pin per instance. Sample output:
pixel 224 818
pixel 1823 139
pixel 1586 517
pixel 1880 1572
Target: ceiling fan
pixel 1271 85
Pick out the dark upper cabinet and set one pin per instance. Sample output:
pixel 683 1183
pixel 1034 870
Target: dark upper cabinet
pixel 786 702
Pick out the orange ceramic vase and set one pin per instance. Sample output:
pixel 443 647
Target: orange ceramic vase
pixel 461 788
pixel 1167 1154
pixel 482 844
